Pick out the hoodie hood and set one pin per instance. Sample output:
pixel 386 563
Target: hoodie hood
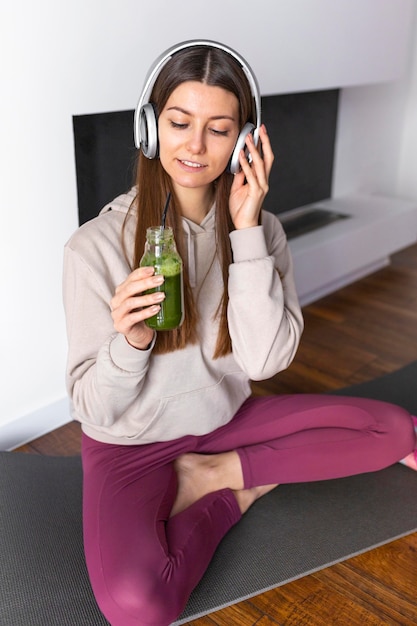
pixel 121 203
pixel 195 234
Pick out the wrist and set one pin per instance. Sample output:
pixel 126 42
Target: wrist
pixel 143 345
pixel 243 226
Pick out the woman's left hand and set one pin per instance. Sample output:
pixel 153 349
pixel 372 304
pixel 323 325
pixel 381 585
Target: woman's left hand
pixel 251 185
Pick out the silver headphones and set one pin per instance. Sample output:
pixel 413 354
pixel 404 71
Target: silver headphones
pixel 145 120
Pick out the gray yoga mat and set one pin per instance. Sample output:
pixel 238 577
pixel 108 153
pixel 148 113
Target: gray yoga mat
pixel 291 532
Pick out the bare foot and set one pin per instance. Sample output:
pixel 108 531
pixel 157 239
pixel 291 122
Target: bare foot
pixel 200 474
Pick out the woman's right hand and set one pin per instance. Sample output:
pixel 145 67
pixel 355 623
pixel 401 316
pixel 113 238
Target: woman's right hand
pixel 130 306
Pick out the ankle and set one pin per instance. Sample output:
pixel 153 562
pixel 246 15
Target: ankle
pixel 246 497
pixel 217 472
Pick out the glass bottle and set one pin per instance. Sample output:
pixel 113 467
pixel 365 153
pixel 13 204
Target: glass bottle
pixel 161 253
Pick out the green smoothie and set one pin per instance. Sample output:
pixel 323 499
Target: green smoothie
pixel 163 256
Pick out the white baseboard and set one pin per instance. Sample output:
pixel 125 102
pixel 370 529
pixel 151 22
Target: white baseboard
pixel 29 427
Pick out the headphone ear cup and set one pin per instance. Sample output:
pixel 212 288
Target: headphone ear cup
pixel 148 131
pixel 234 165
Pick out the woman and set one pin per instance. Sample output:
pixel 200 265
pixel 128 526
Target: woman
pixel 175 449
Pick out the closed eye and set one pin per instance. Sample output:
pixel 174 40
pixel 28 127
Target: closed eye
pixel 214 131
pixel 223 133
pixel 177 125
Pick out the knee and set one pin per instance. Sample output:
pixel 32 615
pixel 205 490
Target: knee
pixel 409 433
pixel 399 431
pixel 148 601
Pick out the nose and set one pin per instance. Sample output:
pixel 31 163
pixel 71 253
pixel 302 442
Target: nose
pixel 196 142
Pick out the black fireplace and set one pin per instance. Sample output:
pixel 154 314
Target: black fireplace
pixel 302 127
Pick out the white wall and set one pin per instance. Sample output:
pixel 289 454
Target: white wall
pixel 369 138
pixel 407 170
pixel 91 55
pixel 376 148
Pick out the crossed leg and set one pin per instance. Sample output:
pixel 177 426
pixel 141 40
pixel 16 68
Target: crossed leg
pixel 301 438
pixel 154 515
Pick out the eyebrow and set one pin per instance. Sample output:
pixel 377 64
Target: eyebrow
pixel 213 117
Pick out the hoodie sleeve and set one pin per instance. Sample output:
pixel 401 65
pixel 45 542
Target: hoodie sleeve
pixel 264 315
pixel 104 373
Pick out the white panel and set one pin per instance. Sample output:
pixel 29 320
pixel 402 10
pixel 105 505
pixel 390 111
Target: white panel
pixel 345 250
pixel 369 136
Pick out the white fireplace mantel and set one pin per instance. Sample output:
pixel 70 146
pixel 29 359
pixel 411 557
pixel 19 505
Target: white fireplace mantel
pixel 346 250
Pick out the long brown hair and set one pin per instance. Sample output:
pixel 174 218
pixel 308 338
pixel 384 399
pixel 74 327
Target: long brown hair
pixel 217 68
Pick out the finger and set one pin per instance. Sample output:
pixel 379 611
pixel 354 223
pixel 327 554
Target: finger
pixel 268 154
pixel 130 318
pixel 141 273
pixel 255 172
pixel 261 164
pixel 134 286
pixel 238 180
pixel 248 166
pixel 127 319
pixel 262 155
pixel 138 303
pixel 133 327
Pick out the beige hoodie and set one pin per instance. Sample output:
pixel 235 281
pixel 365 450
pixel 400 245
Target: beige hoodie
pixel 127 396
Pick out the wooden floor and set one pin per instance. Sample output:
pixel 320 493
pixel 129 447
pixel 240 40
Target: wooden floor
pixel 356 334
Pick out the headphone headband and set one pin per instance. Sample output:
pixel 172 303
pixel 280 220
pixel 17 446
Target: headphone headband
pixel 145 126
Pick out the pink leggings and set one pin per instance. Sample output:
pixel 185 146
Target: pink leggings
pixel 143 564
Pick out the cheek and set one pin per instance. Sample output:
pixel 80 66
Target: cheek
pixel 232 144
pixel 165 146
pixel 164 139
pixel 226 154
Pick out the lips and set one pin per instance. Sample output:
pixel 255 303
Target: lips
pixel 191 164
